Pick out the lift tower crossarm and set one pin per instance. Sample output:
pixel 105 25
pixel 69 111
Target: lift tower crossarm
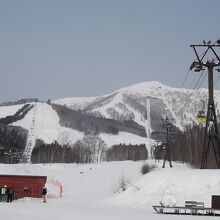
pixel 205 45
pixel 197 56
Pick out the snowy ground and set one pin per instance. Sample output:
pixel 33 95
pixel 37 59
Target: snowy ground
pixel 88 191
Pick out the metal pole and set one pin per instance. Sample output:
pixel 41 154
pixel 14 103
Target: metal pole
pixel 210 82
pixel 211 130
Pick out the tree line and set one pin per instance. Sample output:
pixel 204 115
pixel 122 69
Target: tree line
pixel 12 143
pixel 91 149
pixel 127 152
pixel 188 147
pixel 84 122
pixel 12 137
pixel 17 116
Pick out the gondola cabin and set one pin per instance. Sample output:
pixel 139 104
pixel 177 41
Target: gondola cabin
pixel 24 185
pixel 201 117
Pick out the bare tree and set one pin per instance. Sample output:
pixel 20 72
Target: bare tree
pixel 64 138
pixel 96 145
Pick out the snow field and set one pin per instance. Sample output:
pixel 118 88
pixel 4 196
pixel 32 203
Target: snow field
pixel 88 191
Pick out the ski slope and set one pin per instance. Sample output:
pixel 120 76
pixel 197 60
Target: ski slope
pixel 42 122
pixel 9 110
pixel 46 123
pixel 88 191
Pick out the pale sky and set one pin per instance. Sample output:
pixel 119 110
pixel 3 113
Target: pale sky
pixel 56 49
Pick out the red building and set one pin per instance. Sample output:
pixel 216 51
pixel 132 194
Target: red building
pixel 24 186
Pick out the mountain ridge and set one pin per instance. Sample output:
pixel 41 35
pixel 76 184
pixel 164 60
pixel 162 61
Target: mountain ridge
pixel 189 101
pixel 141 107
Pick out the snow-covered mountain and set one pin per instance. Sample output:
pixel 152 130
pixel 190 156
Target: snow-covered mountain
pixel 181 105
pixel 136 111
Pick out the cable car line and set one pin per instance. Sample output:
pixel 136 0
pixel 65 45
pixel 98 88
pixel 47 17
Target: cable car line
pixel 185 78
pixel 198 80
pixel 216 80
pixel 202 80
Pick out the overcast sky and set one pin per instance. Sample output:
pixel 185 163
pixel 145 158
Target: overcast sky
pixel 55 49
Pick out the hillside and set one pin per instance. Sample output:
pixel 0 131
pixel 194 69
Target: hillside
pixel 43 122
pixel 182 105
pixel 131 115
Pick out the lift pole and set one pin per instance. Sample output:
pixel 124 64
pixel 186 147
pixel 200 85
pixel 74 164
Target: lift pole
pixel 211 137
pixel 170 132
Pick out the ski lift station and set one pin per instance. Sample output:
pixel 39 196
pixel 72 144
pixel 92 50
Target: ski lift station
pixel 23 185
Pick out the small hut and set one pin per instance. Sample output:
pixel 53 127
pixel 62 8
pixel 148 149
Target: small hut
pixel 23 185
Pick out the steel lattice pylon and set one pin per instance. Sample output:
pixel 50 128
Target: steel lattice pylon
pixel 211 137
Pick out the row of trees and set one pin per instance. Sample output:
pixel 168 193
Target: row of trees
pixel 12 137
pixel 17 116
pixel 84 122
pixel 127 152
pixel 91 149
pixel 188 147
pixel 12 143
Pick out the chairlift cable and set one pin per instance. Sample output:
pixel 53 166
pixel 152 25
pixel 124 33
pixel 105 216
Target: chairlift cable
pixel 197 106
pixel 216 80
pixel 198 80
pixel 187 74
pixel 202 80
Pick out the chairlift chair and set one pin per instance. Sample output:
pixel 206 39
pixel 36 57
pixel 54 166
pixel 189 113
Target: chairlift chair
pixel 201 117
